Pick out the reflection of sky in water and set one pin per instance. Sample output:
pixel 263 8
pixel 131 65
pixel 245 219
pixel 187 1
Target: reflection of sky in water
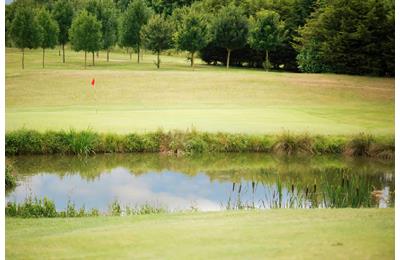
pixel 168 189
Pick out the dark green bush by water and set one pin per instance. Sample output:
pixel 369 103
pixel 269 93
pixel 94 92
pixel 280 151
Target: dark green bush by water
pixel 10 179
pixel 189 142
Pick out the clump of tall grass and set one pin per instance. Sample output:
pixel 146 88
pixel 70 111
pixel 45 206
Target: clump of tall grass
pixel 290 144
pixel 24 141
pixel 370 146
pixel 192 142
pixel 45 208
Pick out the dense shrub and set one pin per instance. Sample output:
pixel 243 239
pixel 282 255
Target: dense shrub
pixel 10 179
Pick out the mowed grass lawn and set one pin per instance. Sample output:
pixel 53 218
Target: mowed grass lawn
pixel 138 97
pixel 293 234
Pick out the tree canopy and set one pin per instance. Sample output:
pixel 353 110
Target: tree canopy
pixel 338 36
pixel 133 20
pixel 157 35
pixel 85 33
pixel 63 13
pixel 192 34
pixel 348 37
pixel 49 31
pixel 267 32
pixel 230 29
pixel 25 30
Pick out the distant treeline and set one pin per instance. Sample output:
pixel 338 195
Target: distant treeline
pixel 338 36
pixel 192 142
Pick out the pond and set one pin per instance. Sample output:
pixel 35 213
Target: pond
pixel 206 182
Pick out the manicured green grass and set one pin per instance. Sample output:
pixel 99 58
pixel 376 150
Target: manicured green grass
pixel 134 97
pixel 304 234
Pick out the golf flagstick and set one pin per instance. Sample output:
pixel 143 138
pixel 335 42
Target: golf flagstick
pixel 95 96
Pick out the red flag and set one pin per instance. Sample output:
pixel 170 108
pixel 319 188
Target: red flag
pixel 93 81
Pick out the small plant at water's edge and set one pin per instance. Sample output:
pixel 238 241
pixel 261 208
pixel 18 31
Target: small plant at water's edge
pixel 10 178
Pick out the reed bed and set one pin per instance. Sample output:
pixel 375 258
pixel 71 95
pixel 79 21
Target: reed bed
pixel 46 208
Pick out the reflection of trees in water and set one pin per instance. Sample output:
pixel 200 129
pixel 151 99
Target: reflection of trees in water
pixel 287 181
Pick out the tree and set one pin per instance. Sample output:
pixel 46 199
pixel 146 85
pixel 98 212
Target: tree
pixel 105 12
pixel 229 29
pixel 85 34
pixel 63 13
pixel 110 28
pixel 49 31
pixel 192 35
pixel 267 32
pixel 25 30
pixel 135 17
pixel 157 35
pixel 352 37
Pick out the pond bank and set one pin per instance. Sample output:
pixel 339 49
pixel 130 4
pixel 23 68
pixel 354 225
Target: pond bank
pixel 87 142
pixel 319 233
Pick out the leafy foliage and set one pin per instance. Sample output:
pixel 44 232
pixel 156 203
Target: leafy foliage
pixel 25 29
pixel 348 37
pixel 230 28
pixel 134 18
pixel 63 13
pixel 192 34
pixel 85 33
pixel 157 35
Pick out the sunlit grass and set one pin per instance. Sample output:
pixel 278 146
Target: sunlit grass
pixel 133 97
pixel 320 233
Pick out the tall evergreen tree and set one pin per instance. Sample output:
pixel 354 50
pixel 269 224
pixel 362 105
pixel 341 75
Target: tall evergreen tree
pixel 348 37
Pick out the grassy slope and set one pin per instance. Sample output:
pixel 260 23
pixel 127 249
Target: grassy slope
pixel 319 234
pixel 132 97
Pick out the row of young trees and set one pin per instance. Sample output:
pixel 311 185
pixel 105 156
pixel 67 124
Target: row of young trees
pixel 342 36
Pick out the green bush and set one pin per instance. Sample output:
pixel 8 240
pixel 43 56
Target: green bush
pixel 10 178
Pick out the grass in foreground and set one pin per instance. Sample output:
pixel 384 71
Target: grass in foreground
pixel 134 97
pixel 319 234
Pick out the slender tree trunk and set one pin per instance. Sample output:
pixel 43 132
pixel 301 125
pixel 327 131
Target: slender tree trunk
pixel 228 58
pixel 108 55
pixel 138 53
pixel 59 50
pixel 43 59
pixel 92 58
pixel 63 53
pixel 266 61
pixel 130 55
pixel 23 57
pixel 192 60
pixel 85 59
pixel 158 59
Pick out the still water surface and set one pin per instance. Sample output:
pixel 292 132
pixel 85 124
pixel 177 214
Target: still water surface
pixel 209 182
